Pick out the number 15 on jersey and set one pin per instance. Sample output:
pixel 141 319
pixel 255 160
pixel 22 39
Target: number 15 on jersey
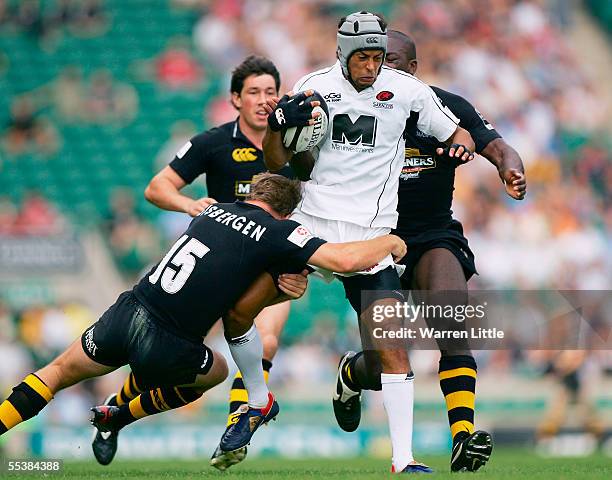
pixel 182 255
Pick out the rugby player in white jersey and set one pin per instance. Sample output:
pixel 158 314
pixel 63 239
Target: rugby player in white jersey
pixel 352 195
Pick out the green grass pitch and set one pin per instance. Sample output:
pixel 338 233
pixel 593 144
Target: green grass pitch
pixel 503 464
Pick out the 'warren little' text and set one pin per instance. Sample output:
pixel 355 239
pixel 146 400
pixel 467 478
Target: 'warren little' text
pixel 432 333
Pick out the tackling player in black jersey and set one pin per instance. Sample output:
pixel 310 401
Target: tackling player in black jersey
pixel 439 258
pixel 158 326
pixel 230 155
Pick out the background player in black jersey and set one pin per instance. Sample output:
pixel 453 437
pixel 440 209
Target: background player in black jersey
pixel 230 155
pixel 158 326
pixel 439 258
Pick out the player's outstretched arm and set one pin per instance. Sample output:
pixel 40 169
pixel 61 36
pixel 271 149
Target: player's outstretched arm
pixel 164 191
pixel 356 256
pixel 509 165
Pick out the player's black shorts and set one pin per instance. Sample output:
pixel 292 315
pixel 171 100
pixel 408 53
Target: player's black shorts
pixel 128 334
pixel 451 238
pixel 362 290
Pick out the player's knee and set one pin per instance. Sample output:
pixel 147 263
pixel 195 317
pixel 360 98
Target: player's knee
pixel 62 372
pixel 219 370
pixel 236 324
pixel 197 392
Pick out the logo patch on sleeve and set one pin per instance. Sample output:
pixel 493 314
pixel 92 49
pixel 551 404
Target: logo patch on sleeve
pixel 487 125
pixel 184 149
pixel 300 236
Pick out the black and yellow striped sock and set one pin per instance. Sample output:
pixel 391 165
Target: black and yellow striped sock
pixel 155 401
pixel 457 375
pixel 128 391
pixel 350 375
pixel 360 374
pixel 238 394
pixel 28 398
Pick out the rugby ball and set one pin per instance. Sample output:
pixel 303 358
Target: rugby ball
pixel 302 139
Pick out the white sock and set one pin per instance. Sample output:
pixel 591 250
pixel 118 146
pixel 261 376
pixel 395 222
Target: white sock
pixel 247 351
pixel 398 398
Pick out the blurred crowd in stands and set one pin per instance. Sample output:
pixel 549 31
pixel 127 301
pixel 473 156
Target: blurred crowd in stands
pixel 176 68
pixel 46 21
pixel 72 100
pixel 510 58
pixel 27 132
pixel 134 243
pixel 35 216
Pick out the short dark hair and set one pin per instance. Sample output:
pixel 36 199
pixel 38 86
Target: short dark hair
pixel 281 193
pixel 253 65
pixel 408 42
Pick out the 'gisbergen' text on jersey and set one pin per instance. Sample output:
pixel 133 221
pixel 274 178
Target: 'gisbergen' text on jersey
pixel 239 224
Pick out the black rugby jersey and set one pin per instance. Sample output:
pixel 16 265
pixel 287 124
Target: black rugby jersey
pixel 222 252
pixel 427 181
pixel 227 157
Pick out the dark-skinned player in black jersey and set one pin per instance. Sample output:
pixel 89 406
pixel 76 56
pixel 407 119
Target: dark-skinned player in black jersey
pixel 439 258
pixel 230 155
pixel 158 326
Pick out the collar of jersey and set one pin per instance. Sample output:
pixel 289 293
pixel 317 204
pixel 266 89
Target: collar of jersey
pixel 237 133
pixel 242 203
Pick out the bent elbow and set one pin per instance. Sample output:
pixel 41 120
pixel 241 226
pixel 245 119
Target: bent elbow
pixel 149 192
pixel 346 264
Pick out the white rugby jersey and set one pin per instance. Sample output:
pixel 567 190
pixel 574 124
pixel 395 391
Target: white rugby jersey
pixel 356 174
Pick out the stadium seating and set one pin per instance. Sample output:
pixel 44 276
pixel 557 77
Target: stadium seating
pixel 94 159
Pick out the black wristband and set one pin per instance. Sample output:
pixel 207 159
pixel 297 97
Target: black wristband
pixel 456 146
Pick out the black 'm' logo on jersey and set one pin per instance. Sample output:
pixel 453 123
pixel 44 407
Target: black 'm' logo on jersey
pixel 363 130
